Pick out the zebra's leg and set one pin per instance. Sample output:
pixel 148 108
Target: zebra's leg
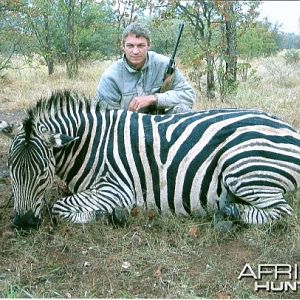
pixel 256 207
pixel 91 205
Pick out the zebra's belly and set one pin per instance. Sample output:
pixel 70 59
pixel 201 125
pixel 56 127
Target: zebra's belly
pixel 178 196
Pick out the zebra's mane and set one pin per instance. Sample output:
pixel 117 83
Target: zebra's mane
pixel 55 102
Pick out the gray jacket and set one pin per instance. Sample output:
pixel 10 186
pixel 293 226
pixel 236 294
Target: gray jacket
pixel 120 83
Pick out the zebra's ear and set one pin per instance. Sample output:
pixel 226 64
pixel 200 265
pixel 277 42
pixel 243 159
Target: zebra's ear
pixel 59 140
pixel 8 129
pixel 56 140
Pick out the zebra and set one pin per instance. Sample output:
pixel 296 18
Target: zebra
pixel 237 162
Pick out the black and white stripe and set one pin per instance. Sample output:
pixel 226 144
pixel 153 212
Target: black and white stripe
pixel 238 161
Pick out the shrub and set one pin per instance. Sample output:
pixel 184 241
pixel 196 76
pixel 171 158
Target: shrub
pixel 291 56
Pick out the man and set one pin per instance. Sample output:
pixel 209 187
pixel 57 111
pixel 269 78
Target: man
pixel 133 82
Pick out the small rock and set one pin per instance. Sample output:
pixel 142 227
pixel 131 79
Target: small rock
pixel 158 274
pixel 223 295
pixel 126 266
pixel 151 213
pixel 194 231
pixel 87 264
pixel 136 239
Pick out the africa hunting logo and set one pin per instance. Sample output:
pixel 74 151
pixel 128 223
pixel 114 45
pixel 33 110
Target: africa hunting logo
pixel 273 277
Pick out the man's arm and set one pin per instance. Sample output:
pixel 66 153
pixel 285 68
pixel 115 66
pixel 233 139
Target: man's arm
pixel 181 93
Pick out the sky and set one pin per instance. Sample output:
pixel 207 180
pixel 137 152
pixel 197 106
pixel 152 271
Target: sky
pixel 286 13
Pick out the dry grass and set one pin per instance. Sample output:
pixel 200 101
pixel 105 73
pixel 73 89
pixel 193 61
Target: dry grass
pixel 166 257
pixel 273 87
pixel 22 86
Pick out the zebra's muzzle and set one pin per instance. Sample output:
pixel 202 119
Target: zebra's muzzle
pixel 26 222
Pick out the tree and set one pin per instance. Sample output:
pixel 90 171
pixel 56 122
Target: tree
pixel 289 41
pixel 62 30
pixel 231 45
pixel 258 40
pixel 125 12
pixel 200 15
pixel 9 37
pixel 97 33
pixel 163 35
pixel 31 20
pixel 235 14
pixel 71 44
pixel 39 24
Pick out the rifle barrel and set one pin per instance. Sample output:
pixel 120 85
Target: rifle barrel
pixel 181 26
pixel 172 59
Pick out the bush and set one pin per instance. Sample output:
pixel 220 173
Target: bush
pixel 291 56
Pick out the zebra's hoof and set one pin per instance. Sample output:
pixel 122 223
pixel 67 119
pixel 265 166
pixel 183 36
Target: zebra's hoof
pixel 119 216
pixel 231 211
pixel 224 226
pixel 218 217
pixel 100 214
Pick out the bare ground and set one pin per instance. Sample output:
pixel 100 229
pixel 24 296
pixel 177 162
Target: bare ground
pixel 148 258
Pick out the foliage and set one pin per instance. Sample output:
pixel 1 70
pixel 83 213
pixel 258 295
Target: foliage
pixel 163 35
pixel 58 29
pixel 96 33
pixel 10 38
pixel 258 40
pixel 291 56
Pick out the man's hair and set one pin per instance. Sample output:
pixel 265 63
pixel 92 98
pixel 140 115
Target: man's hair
pixel 138 30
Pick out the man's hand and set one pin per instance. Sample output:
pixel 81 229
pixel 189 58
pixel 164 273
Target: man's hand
pixel 140 102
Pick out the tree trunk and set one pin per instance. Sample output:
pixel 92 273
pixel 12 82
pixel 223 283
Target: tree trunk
pixel 71 57
pixel 50 65
pixel 231 47
pixel 210 78
pixel 49 55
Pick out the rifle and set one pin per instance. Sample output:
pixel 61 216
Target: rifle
pixel 171 65
pixel 168 79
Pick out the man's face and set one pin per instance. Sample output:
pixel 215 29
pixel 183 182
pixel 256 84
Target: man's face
pixel 135 49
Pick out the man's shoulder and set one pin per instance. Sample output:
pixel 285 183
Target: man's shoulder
pixel 158 58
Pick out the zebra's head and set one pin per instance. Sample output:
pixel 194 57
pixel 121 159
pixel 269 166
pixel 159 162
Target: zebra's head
pixel 31 164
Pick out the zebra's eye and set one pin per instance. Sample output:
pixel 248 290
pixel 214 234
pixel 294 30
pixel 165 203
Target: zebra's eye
pixel 43 129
